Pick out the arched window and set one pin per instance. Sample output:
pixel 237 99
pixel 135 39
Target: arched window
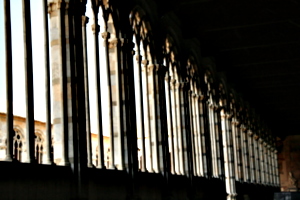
pixel 175 87
pixel 145 93
pixel 214 126
pixel 237 139
pixel 18 144
pixel 196 121
pixel 39 146
pixel 107 115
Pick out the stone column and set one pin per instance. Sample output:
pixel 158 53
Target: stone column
pixel 228 155
pixel 237 149
pixel 212 132
pixel 218 141
pixel 199 137
pixel 114 93
pixel 183 128
pixel 178 103
pixel 170 121
pixel 155 113
pixel 9 84
pixel 85 20
pixel 194 133
pixel 266 166
pixel 262 161
pixel 257 158
pixel 61 82
pixel 272 149
pixel 251 156
pixel 174 116
pixel 146 121
pixel 202 132
pixel 269 165
pixel 245 150
pixel 193 137
pixel 151 112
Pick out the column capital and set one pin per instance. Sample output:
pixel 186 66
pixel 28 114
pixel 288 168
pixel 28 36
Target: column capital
pixel 177 84
pixel 201 97
pixel 138 57
pixel 182 85
pixel 145 62
pixel 243 127
pixel 105 35
pixel 112 42
pixel 249 132
pixel 54 5
pixel 85 20
pixel 95 28
pixel 256 137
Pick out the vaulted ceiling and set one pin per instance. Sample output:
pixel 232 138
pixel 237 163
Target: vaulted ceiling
pixel 257 45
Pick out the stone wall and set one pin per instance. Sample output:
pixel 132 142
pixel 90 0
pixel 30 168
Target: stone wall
pixel 289 163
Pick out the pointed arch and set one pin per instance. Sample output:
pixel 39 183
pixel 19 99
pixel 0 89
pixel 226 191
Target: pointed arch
pixel 146 93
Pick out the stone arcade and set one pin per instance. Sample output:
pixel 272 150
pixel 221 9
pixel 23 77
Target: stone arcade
pixel 168 126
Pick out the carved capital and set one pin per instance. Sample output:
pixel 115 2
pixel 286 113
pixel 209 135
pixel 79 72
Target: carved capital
pixel 145 62
pixel 234 122
pixel 182 85
pixel 85 20
pixel 249 132
pixel 176 85
pixel 172 81
pixel 138 57
pixel 95 28
pixel 54 5
pixel 243 128
pixel 151 67
pixel 201 97
pixel 112 43
pixel 105 35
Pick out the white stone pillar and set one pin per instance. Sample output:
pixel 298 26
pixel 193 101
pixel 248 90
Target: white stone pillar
pixel 245 152
pixel 114 89
pixel 198 133
pixel 228 155
pixel 61 82
pixel 174 104
pixel 269 165
pixel 202 129
pixel 251 156
pixel 266 163
pixel 169 121
pixel 262 161
pixel 178 127
pixel 194 134
pixel 151 118
pixel 257 158
pixel 235 147
pixel 183 115
pixel 212 132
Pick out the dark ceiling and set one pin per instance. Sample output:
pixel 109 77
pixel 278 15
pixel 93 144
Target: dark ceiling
pixel 257 45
